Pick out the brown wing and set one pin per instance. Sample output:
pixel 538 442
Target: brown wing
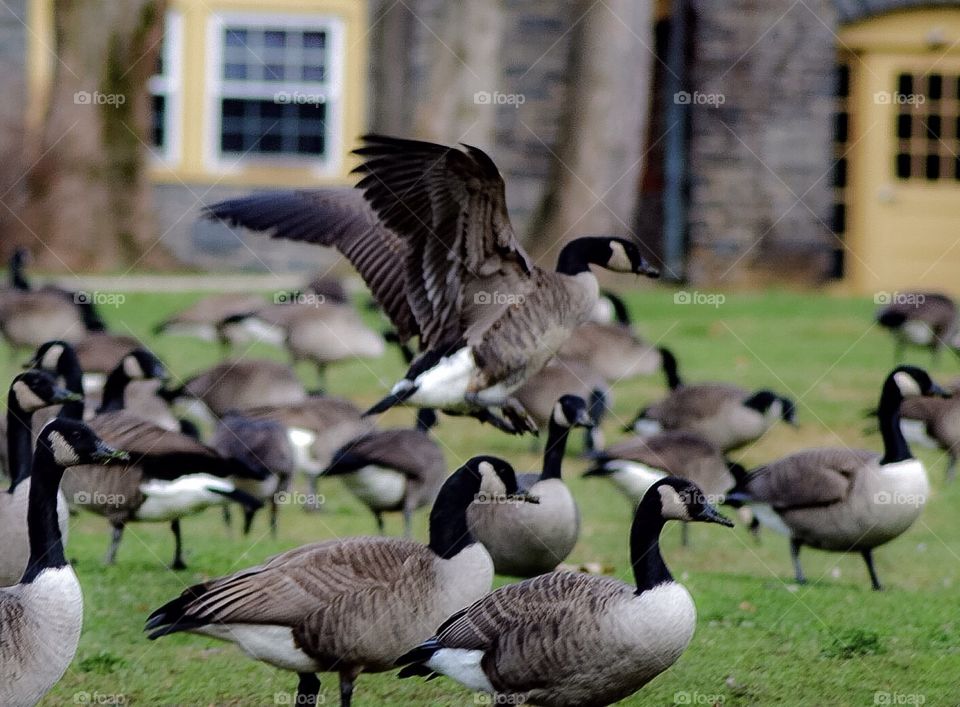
pixel 100 353
pixel 814 477
pixel 694 402
pixel 340 218
pixel 449 206
pixel 409 451
pixel 670 451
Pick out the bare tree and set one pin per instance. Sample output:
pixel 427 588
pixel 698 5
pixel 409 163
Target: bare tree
pixel 89 197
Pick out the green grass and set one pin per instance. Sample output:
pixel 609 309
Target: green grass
pixel 759 641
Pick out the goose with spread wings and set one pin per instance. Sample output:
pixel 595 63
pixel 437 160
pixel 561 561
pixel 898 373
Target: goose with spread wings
pixel 427 228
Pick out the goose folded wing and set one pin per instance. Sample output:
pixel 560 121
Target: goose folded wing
pixel 407 451
pixel 695 402
pixel 668 450
pixel 340 218
pixel 816 477
pixel 449 206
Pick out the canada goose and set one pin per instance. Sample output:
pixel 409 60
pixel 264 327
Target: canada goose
pixel 927 319
pixel 393 470
pixel 841 499
pixel 526 540
pixel 29 392
pixel 349 605
pixel 933 422
pixel 633 464
pixel 99 353
pixel 611 309
pixel 560 377
pixel 316 427
pixel 41 616
pixel 203 319
pixel 257 442
pixel 612 350
pixel 241 385
pixel 725 415
pixel 573 639
pixel 318 332
pixel 434 242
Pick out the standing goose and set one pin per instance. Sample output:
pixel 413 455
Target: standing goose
pixel 204 318
pixel 568 639
pixel 633 464
pixel 727 416
pixel 29 392
pixel 349 605
pixel 41 616
pixel 525 540
pixel 927 319
pixel 393 470
pixel 933 422
pixel 614 351
pixel 428 229
pixel 846 500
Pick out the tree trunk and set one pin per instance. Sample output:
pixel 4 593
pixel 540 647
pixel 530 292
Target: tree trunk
pixel 594 182
pixel 89 196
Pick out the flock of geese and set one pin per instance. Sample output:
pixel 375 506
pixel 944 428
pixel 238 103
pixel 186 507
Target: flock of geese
pixel 96 424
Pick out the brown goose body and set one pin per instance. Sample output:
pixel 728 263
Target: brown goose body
pixel 559 377
pixel 245 384
pixel 28 319
pixel 933 422
pixel 203 318
pixel 926 319
pixel 612 350
pixel 100 352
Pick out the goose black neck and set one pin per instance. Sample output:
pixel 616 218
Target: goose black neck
pixel 449 533
pixel 557 435
pixel 649 569
pixel 895 447
pixel 670 369
pixel 43 528
pixel 19 441
pixel 577 255
pixel 17 279
pixel 426 419
pixel 68 368
pixel 113 390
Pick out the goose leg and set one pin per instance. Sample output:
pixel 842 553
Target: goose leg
pixel 407 522
pixel 347 678
pixel 491 418
pixel 248 514
pixel 321 377
pixel 755 529
pixel 274 510
pixel 795 546
pixel 227 518
pixel 379 516
pixel 874 580
pixel 114 543
pixel 313 505
pixel 178 563
pixel 307 689
pixel 952 467
pixel 518 416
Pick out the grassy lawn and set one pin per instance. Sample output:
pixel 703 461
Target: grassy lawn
pixel 760 640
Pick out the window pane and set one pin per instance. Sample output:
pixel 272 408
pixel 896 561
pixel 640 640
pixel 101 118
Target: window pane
pixel 934 87
pixel 235 71
pixel 314 40
pixel 274 38
pixel 933 127
pixel 904 124
pixel 933 166
pixel 841 127
pixel 903 166
pixel 264 127
pixel 236 37
pixel 905 84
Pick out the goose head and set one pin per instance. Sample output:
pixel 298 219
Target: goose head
pixel 140 364
pixel 54 356
pixel 616 254
pixel 913 381
pixel 571 411
pixel 672 498
pixel 71 443
pixel 33 390
pixel 772 406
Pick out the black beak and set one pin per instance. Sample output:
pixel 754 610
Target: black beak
pixel 709 514
pixel 584 419
pixel 645 268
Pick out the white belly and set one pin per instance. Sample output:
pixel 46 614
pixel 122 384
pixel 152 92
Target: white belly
pixel 302 441
pixel 647 428
pixel 915 432
pixel 446 384
pixel 166 500
pixel 265 642
pixel 379 488
pixel 917 332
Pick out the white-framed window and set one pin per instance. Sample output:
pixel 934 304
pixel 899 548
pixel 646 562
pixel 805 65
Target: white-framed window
pixel 275 90
pixel 166 91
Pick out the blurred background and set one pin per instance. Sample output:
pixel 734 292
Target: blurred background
pixel 748 142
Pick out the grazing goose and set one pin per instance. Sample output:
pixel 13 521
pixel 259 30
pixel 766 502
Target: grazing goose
pixel 41 616
pixel 614 351
pixel 633 464
pixel 257 442
pixel 726 415
pixel 349 605
pixel 846 500
pixel 567 639
pixel 99 353
pixel 29 392
pixel 927 319
pixel 933 422
pixel 434 242
pixel 525 540
pixel 204 318
pixel 393 470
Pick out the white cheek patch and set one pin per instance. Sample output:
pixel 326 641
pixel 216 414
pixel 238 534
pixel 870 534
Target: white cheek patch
pixel 51 357
pixel 28 400
pixel 558 415
pixel 63 452
pixel 490 483
pixel 132 367
pixel 672 505
pixel 906 383
pixel 619 260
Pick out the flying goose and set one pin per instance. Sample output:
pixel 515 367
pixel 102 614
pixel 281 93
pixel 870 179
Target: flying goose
pixel 349 605
pixel 41 616
pixel 933 422
pixel 927 319
pixel 29 392
pixel 393 470
pixel 525 540
pixel 633 464
pixel 567 638
pixel 726 415
pixel 846 500
pixel 428 229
